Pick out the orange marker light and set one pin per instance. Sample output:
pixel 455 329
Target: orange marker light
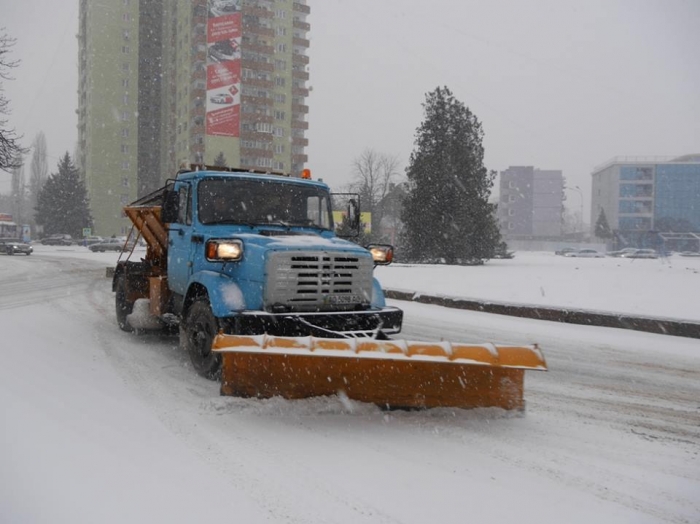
pixel 306 173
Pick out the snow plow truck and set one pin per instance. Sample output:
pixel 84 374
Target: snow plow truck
pixel 269 299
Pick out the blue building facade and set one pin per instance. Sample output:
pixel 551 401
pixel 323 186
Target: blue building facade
pixel 644 200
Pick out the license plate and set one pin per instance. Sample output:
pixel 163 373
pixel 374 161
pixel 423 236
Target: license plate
pixel 344 299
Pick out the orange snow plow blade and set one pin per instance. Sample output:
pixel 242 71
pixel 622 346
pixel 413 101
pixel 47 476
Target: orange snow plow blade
pixel 389 373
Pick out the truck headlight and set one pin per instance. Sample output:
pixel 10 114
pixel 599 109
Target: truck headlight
pixel 382 254
pixel 224 250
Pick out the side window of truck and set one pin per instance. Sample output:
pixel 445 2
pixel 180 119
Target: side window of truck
pixel 185 208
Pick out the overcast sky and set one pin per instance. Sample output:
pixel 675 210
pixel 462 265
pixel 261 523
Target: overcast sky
pixel 556 84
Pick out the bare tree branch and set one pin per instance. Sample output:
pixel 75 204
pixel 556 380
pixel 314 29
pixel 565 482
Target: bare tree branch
pixel 10 150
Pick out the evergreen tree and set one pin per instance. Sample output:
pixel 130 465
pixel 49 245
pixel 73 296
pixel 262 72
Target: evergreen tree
pixel 220 160
pixel 602 228
pixel 446 213
pixel 62 203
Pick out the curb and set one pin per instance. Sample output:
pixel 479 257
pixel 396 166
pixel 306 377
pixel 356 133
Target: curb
pixel 569 316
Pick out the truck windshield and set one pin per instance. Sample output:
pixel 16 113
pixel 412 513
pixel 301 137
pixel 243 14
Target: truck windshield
pixel 243 201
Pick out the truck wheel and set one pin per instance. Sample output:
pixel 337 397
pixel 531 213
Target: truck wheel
pixel 197 335
pixel 124 307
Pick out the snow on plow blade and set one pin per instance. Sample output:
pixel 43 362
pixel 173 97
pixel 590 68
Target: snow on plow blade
pixel 389 373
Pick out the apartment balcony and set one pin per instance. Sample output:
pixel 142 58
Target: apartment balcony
pixel 300 159
pixel 255 82
pixel 254 10
pixel 301 42
pixel 255 152
pixel 304 26
pixel 254 118
pixel 257 66
pixel 299 141
pixel 257 100
pixel 301 8
pixel 255 135
pixel 299 124
pixel 259 48
pixel 301 75
pixel 298 59
pixel 300 91
pixel 299 108
pixel 259 30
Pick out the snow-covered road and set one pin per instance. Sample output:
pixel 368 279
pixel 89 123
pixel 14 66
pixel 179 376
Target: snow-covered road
pixel 104 426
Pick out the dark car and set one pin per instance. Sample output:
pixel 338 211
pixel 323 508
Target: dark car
pixel 13 246
pixel 110 244
pixel 58 240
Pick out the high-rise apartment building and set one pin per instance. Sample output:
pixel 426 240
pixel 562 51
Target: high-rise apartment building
pixel 644 198
pixel 170 82
pixel 531 203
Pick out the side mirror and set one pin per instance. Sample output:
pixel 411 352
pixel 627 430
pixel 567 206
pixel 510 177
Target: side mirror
pixel 171 207
pixel 353 215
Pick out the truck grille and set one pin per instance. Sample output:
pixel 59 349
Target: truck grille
pixel 312 281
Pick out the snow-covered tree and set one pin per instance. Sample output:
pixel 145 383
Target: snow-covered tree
pixel 446 214
pixel 602 228
pixel 62 204
pixel 220 160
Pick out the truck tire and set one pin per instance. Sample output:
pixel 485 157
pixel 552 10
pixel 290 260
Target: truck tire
pixel 196 337
pixel 123 306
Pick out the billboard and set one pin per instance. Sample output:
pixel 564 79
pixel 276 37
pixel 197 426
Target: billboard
pixel 223 105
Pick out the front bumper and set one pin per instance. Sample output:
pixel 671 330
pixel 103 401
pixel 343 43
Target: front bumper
pixel 386 320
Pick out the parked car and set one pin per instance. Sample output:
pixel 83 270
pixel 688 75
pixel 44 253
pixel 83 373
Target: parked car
pixel 12 246
pixel 641 253
pixel 57 240
pixel 110 244
pixel 621 252
pixel 690 254
pixel 566 250
pixel 88 241
pixel 586 253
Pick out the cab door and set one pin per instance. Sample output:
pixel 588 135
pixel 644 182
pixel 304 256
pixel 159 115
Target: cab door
pixel 180 242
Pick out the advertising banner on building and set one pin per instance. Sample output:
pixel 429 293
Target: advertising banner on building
pixel 223 68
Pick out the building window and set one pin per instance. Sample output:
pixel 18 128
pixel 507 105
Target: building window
pixel 511 184
pixel 125 165
pixel 280 115
pixel 280 81
pixel 125 49
pixel 282 48
pixel 278 131
pixel 125 148
pixel 511 212
pixel 125 82
pixel 125 67
pixel 511 198
pixel 125 132
pixel 280 98
pixel 126 99
pixel 279 149
pixel 127 34
pixel 125 116
pixel 125 182
pixel 281 31
pixel 511 225
pixel 126 17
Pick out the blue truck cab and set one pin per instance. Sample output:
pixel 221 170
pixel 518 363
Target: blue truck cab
pixel 251 253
